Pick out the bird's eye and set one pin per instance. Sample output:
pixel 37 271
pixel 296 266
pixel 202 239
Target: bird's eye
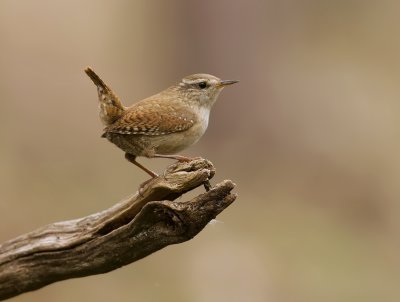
pixel 202 85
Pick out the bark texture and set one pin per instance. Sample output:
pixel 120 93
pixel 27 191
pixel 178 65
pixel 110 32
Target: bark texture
pixel 128 231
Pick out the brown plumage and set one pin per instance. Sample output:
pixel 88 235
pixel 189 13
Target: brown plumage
pixel 153 117
pixel 111 108
pixel 163 124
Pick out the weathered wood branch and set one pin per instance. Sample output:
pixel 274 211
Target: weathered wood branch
pixel 128 231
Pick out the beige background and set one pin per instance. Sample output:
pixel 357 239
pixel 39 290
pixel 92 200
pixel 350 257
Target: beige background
pixel 310 136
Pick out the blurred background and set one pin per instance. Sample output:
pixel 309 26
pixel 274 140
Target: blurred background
pixel 310 136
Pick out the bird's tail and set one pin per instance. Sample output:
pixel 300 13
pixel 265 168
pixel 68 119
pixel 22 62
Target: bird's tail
pixel 111 107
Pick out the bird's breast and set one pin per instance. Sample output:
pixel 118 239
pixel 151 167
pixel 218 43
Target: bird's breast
pixel 203 114
pixel 178 141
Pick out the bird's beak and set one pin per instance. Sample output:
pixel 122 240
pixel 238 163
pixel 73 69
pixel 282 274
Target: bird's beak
pixel 226 83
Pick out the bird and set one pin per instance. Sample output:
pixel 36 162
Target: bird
pixel 161 125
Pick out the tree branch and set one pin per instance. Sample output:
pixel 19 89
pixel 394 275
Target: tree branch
pixel 128 231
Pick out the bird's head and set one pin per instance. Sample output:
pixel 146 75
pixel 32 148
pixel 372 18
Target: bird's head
pixel 202 88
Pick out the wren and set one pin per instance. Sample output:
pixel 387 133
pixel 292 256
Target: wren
pixel 163 124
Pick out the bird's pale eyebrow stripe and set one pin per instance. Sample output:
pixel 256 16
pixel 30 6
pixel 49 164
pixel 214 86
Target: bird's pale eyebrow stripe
pixel 191 82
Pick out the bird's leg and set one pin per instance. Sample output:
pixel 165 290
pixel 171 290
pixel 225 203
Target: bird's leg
pixel 177 157
pixel 132 158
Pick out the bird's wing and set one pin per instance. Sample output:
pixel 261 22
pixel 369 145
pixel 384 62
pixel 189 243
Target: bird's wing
pixel 153 118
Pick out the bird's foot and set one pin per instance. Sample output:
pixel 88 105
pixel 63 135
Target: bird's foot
pixel 180 158
pixel 143 185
